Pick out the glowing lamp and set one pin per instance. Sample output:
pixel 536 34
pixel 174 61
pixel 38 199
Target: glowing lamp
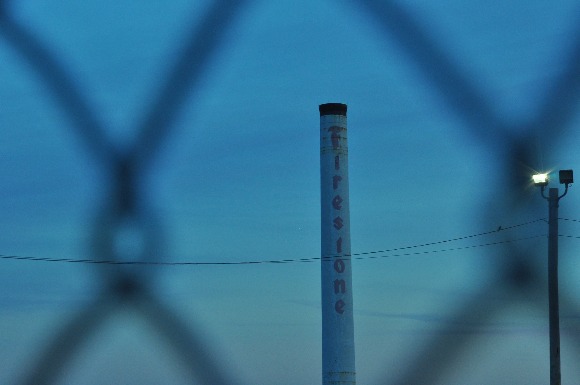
pixel 540 179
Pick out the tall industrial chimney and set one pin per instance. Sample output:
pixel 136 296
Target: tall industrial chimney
pixel 338 366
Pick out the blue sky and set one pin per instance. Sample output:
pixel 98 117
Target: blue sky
pixel 237 179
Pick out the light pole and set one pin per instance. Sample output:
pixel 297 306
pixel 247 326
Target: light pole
pixel 566 177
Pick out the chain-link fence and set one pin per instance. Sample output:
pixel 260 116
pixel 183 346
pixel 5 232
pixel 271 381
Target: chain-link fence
pixel 472 340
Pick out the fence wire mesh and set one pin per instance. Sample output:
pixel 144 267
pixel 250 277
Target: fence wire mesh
pixel 455 351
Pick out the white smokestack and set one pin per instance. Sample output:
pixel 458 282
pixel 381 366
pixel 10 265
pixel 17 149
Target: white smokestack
pixel 337 307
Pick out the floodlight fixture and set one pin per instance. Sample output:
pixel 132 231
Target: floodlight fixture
pixel 540 179
pixel 566 177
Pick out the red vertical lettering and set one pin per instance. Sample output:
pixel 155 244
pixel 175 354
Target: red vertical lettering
pixel 339 266
pixel 338 223
pixel 335 180
pixel 339 306
pixel 335 138
pixel 337 202
pixel 339 286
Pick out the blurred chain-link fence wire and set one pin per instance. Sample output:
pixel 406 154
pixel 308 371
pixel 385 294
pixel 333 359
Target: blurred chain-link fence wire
pixel 127 167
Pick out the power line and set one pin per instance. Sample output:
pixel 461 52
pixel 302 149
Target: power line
pixel 454 248
pixel 358 256
pixel 568 219
pixel 455 239
pixel 568 236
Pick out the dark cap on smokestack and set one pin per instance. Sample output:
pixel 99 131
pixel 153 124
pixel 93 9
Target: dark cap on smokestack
pixel 332 109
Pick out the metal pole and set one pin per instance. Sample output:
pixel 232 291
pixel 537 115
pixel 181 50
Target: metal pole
pixel 554 316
